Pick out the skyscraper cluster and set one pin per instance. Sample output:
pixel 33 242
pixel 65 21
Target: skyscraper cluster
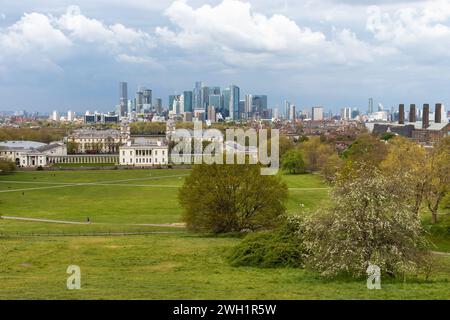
pixel 202 102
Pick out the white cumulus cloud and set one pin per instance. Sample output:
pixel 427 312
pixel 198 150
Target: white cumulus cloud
pixel 33 40
pixel 234 32
pixel 420 31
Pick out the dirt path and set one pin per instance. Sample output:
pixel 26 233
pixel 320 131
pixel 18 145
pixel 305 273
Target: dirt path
pixel 167 225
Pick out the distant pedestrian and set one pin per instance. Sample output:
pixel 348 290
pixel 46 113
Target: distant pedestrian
pixel 88 220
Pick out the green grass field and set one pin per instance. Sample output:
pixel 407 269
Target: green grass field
pixel 167 264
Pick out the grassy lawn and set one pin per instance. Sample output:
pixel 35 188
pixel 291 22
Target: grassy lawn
pixel 174 265
pixel 118 196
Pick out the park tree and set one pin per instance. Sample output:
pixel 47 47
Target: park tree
pixel 408 160
pixel 292 162
pixel 315 153
pixel 368 222
pixel 231 198
pixel 331 167
pixel 438 184
pixel 285 145
pixel 367 149
pixel 6 166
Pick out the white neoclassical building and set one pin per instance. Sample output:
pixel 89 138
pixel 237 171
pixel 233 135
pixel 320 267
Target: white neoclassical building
pixel 94 141
pixel 31 153
pixel 148 154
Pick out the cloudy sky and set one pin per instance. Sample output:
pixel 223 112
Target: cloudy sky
pixel 71 54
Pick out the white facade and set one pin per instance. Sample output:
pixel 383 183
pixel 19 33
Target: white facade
pixel 55 116
pixel 141 155
pixel 29 153
pixel 317 113
pixel 346 113
pixel 98 141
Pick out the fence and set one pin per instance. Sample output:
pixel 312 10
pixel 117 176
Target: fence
pixel 83 234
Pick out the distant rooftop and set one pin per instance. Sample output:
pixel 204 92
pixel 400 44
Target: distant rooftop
pixel 417 125
pixel 21 144
pixel 90 133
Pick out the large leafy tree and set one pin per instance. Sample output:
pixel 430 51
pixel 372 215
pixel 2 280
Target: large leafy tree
pixel 229 198
pixel 367 149
pixel 409 161
pixel 369 222
pixel 293 162
pixel 438 184
pixel 316 153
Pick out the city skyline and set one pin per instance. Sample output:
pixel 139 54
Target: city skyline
pixel 72 55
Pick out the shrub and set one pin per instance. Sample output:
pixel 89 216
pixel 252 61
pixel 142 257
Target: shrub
pixel 282 247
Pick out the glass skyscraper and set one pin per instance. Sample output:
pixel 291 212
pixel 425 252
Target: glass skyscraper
pixel 197 95
pixel 234 102
pixel 216 101
pixel 188 101
pixel 123 98
pixel 225 109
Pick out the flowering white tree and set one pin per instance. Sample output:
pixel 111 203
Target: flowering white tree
pixel 370 222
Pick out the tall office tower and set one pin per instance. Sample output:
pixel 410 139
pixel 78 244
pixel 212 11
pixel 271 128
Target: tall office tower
pixel 211 116
pixel 139 101
pixel 292 113
pixel 214 90
pixel 287 105
pixel 401 113
pixel 177 101
pixel 131 106
pixel 242 113
pixel 346 113
pixel 275 114
pixel 70 116
pixel 225 110
pixel 317 113
pixel 158 106
pixel 248 105
pixel 204 98
pixel 412 112
pixel 355 113
pixel 123 97
pixel 55 116
pixel 197 95
pixel 259 103
pixel 215 100
pixel 188 101
pixel 370 109
pixel 171 100
pixel 147 96
pixel 234 102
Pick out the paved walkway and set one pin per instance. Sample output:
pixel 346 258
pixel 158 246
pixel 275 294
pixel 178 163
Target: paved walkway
pixel 167 225
pixel 164 225
pixel 42 220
